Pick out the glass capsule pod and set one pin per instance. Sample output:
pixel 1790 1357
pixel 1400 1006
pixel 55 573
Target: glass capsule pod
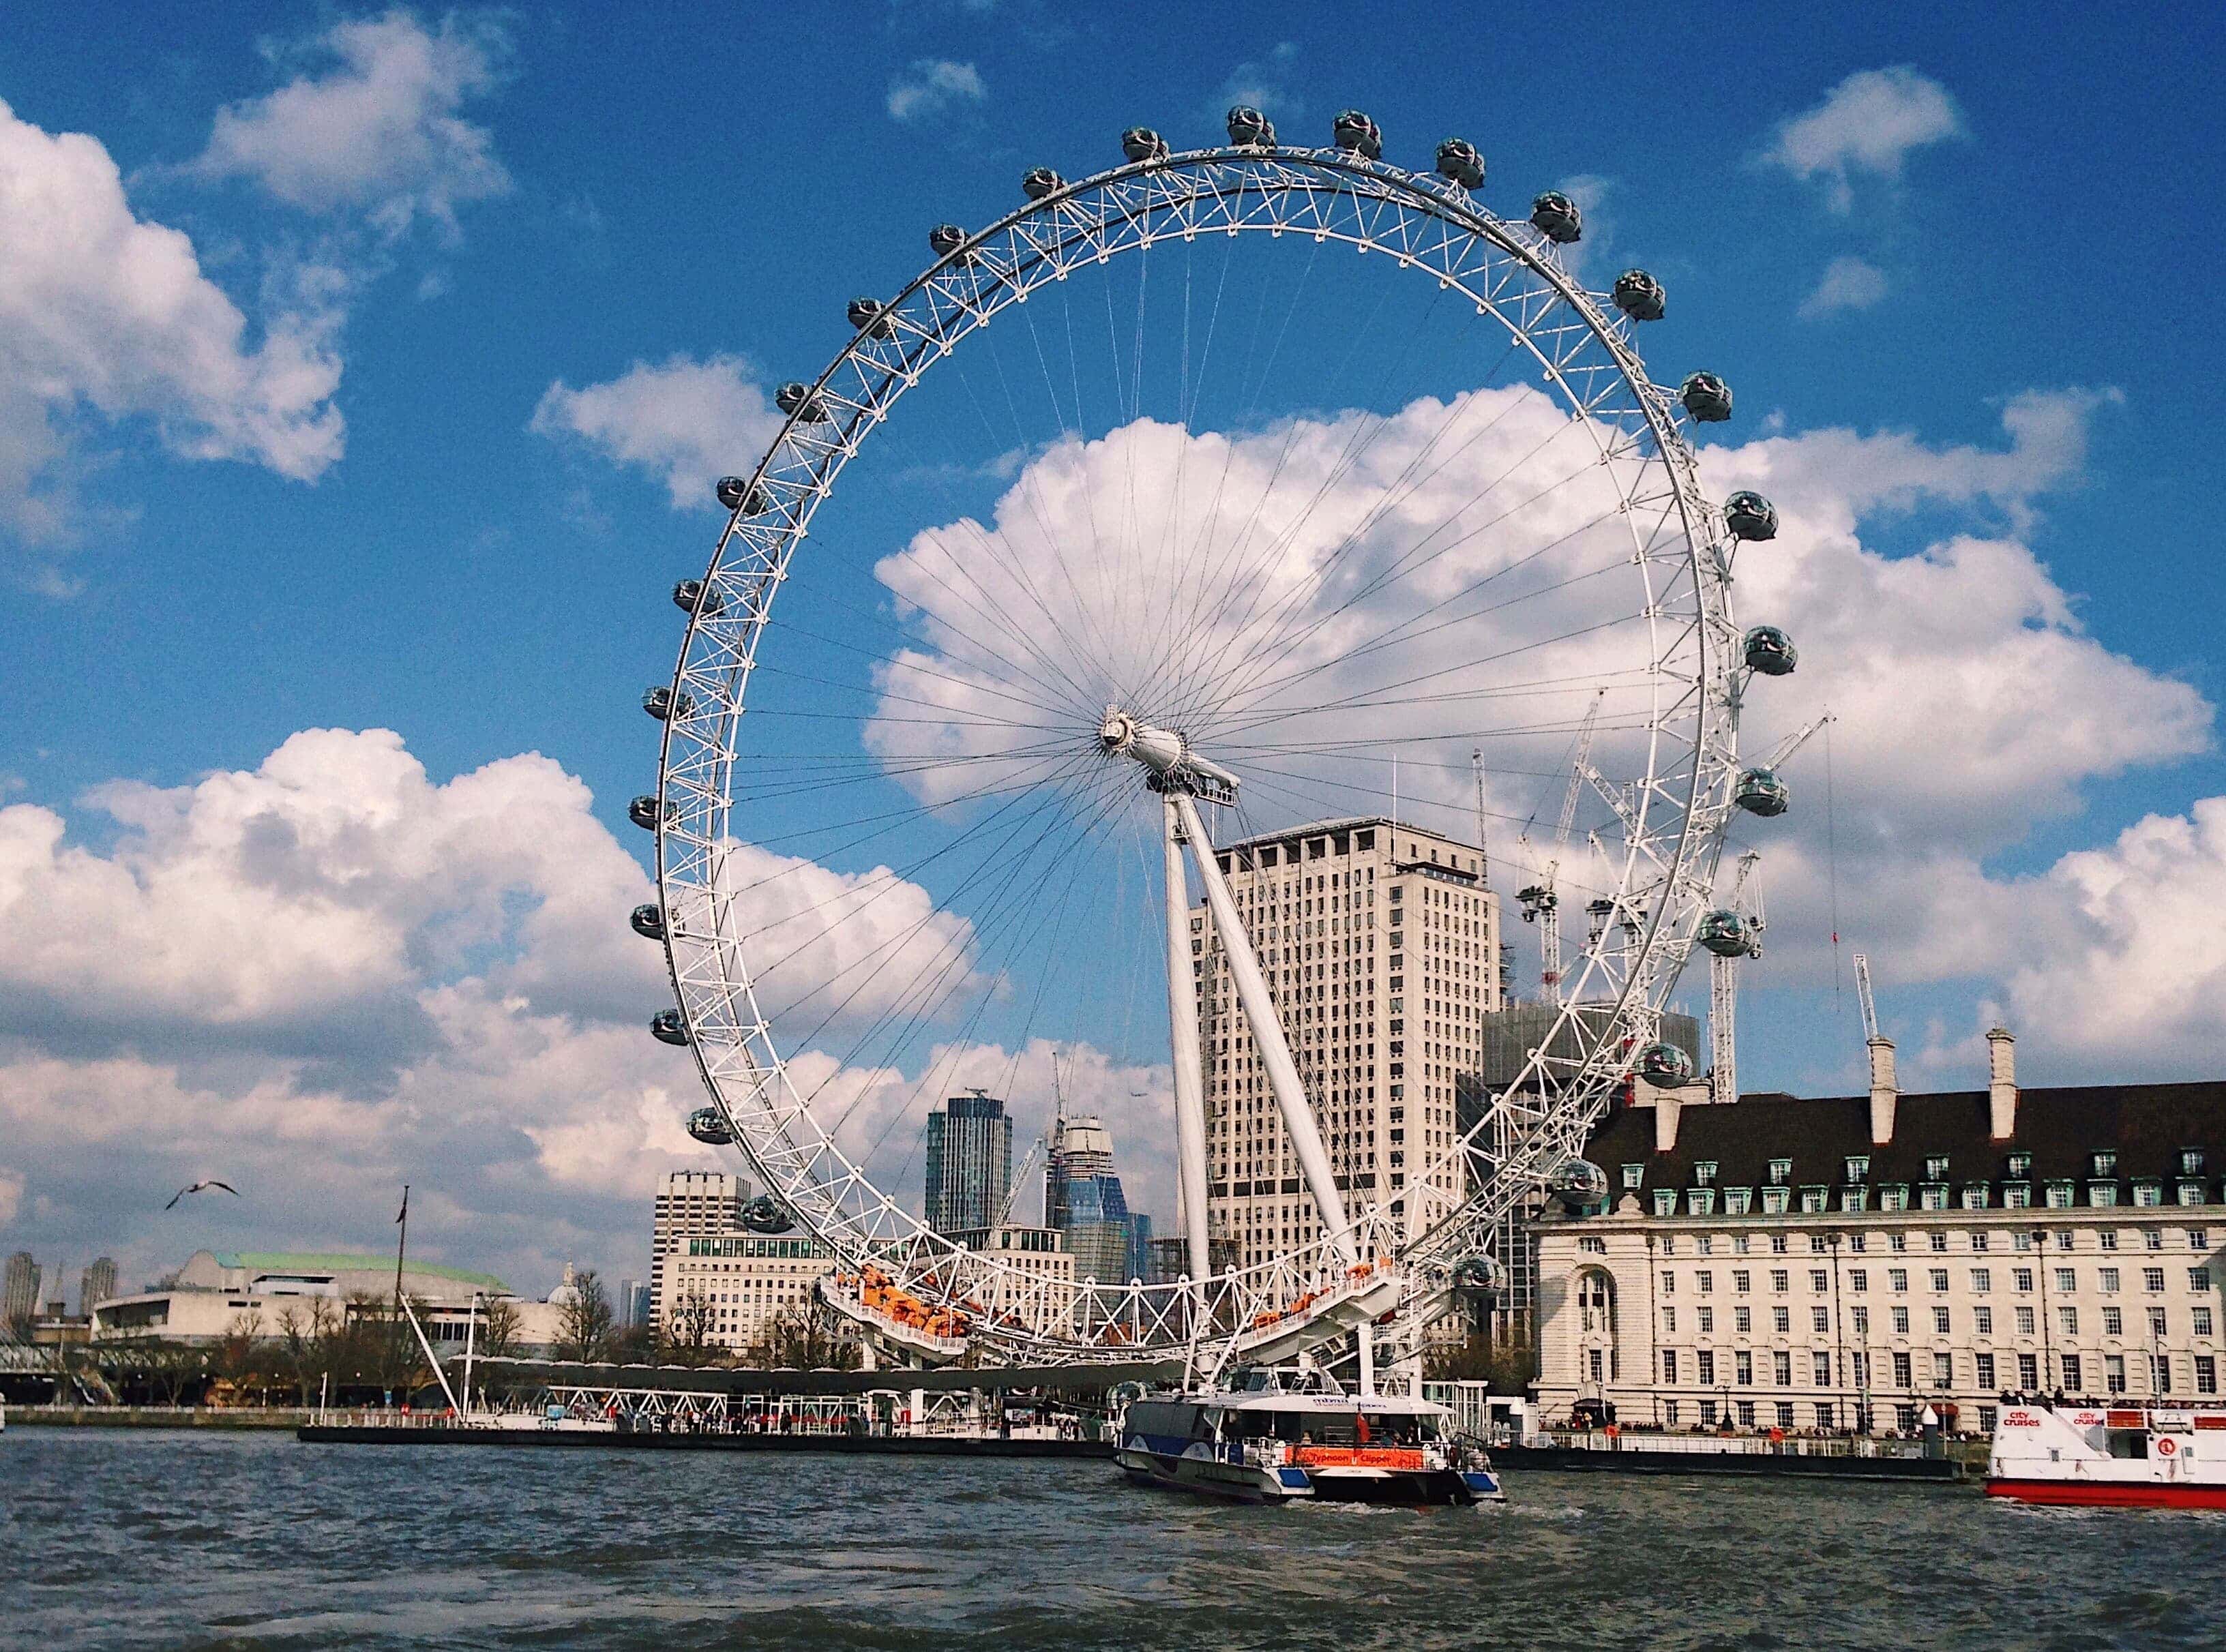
pixel 648 813
pixel 663 704
pixel 1458 160
pixel 1353 130
pixel 1578 1183
pixel 1142 143
pixel 707 1128
pixel 1249 128
pixel 944 239
pixel 799 401
pixel 735 494
pixel 1561 219
pixel 666 1027
pixel 647 920
pixel 1724 933
pixel 764 1214
pixel 1041 181
pixel 1760 791
pixel 1664 1064
pixel 1770 652
pixel 1479 1275
pixel 869 316
pixel 693 596
pixel 1707 397
pixel 1750 516
pixel 1639 296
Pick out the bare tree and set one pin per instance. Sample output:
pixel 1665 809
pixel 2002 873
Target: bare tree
pixel 687 1330
pixel 498 1327
pixel 584 1326
pixel 801 1338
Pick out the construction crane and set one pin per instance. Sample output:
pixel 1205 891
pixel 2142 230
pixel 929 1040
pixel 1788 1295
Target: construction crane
pixel 1723 980
pixel 1483 847
pixel 1019 1179
pixel 1540 904
pixel 1863 997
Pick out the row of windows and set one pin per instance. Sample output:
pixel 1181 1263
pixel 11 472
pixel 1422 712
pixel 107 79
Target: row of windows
pixel 1704 1244
pixel 2107 1280
pixel 1930 1195
pixel 2072 1372
pixel 1855 1168
pixel 2200 1320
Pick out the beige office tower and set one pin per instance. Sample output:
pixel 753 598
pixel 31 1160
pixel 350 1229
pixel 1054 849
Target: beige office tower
pixel 1381 946
pixel 690 1202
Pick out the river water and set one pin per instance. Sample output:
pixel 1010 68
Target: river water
pixel 173 1539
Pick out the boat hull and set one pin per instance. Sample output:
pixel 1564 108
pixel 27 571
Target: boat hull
pixel 2109 1493
pixel 1206 1476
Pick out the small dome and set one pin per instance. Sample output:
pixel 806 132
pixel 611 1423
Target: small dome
pixel 944 239
pixel 1707 397
pixel 1770 652
pixel 646 812
pixel 801 402
pixel 735 494
pixel 1639 296
pixel 1750 516
pixel 1664 1064
pixel 663 704
pixel 693 596
pixel 706 1125
pixel 1759 792
pixel 1142 143
pixel 648 919
pixel 1249 128
pixel 869 316
pixel 1353 130
pixel 1040 182
pixel 1724 933
pixel 1457 159
pixel 1558 218
pixel 666 1027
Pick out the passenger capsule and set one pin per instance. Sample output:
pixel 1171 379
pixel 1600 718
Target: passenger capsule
pixel 1353 130
pixel 647 920
pixel 648 813
pixel 735 494
pixel 870 317
pixel 666 1027
pixel 1479 1275
pixel 1707 397
pixel 1750 516
pixel 1142 143
pixel 1578 1183
pixel 693 596
pixel 1664 1064
pixel 663 705
pixel 1639 296
pixel 1770 652
pixel 1249 128
pixel 800 402
pixel 1724 933
pixel 709 1127
pixel 764 1214
pixel 1042 182
pixel 1457 159
pixel 1761 792
pixel 946 239
pixel 1559 216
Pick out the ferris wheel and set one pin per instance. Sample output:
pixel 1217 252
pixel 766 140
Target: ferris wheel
pixel 1210 494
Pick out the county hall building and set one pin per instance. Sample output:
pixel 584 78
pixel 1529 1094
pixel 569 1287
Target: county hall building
pixel 1841 1264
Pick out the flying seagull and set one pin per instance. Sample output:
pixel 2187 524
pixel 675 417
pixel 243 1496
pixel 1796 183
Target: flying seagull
pixel 202 1187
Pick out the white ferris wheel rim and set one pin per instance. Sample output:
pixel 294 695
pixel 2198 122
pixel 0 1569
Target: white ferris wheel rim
pixel 1667 868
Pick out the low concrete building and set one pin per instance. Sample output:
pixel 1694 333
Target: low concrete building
pixel 1840 1264
pixel 728 1287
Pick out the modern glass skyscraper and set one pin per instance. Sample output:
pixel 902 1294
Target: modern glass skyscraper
pixel 1084 1201
pixel 969 1163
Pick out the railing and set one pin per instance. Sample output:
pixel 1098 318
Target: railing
pixel 1735 1444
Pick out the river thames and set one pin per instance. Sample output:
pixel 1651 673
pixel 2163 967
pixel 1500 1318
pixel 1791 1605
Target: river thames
pixel 179 1540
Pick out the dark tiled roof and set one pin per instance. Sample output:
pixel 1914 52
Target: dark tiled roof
pixel 2147 1125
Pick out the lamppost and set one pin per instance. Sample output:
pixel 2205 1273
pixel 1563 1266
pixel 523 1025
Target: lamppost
pixel 2047 1338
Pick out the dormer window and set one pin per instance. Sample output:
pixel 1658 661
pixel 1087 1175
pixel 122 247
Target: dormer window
pixel 1935 1167
pixel 2105 1164
pixel 2190 1161
pixel 1781 1171
pixel 2019 1167
pixel 1634 1177
pixel 1704 1173
pixel 1859 1168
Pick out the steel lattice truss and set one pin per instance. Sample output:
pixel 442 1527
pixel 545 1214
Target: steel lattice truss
pixel 1672 812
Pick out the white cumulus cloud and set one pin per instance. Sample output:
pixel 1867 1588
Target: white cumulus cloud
pixel 374 126
pixel 1848 283
pixel 689 421
pixel 932 85
pixel 1868 124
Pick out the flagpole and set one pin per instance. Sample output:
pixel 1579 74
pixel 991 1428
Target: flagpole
pixel 401 1244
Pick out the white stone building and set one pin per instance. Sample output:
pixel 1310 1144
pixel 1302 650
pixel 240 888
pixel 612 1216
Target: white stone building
pixel 1381 946
pixel 1839 1264
pixel 689 1202
pixel 738 1283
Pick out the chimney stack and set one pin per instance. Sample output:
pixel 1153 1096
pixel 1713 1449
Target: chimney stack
pixel 2001 1083
pixel 1884 1092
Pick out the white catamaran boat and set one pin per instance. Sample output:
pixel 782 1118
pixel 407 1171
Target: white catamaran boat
pixel 2144 1457
pixel 1265 1443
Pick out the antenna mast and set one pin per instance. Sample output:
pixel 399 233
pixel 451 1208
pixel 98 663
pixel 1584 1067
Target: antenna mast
pixel 1863 997
pixel 1482 846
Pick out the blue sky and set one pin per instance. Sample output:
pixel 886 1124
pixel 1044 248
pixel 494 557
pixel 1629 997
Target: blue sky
pixel 348 515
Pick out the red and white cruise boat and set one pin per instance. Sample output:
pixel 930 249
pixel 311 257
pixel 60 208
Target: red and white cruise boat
pixel 2114 1457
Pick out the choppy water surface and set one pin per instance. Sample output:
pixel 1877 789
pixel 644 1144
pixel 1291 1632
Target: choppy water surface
pixel 173 1539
